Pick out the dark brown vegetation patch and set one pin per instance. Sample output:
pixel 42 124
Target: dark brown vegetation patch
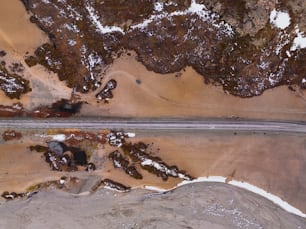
pixel 12 84
pixel 15 110
pixel 61 108
pixel 119 161
pixel 11 135
pixel 2 53
pixel 155 165
pixel 232 44
pixel 108 183
pixel 62 157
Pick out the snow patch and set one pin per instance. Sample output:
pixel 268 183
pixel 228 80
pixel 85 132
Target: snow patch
pixel 299 41
pixel 72 42
pixel 71 27
pixel 10 85
pixel 47 21
pixel 130 135
pixel 59 137
pixel 153 188
pixel 158 6
pixel 275 199
pixel 55 137
pixel 279 19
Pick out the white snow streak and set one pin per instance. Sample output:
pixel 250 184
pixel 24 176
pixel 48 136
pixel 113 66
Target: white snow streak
pixel 195 8
pixel 244 185
pixel 102 29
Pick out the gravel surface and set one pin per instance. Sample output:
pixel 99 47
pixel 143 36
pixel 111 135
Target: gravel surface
pixel 200 205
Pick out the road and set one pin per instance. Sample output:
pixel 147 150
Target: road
pixel 156 124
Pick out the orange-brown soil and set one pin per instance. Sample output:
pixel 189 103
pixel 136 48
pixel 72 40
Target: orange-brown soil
pixel 273 162
pixel 142 93
pixel 232 45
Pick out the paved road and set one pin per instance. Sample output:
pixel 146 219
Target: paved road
pixel 146 124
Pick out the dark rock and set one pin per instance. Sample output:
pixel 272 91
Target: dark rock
pixel 31 61
pixel 66 160
pixel 79 156
pixel 13 85
pixel 66 106
pixel 132 171
pixel 111 84
pixel 57 147
pixel 91 167
pixel 12 195
pixel 2 53
pixel 119 161
pixel 106 93
pixel 115 185
pixel 152 164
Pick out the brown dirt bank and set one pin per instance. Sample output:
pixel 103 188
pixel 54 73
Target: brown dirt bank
pixel 275 163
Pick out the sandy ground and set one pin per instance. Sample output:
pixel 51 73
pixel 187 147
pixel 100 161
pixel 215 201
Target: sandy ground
pixel 201 205
pixel 18 36
pixel 17 33
pixel 275 163
pixel 46 87
pixel 155 96
pixel 188 96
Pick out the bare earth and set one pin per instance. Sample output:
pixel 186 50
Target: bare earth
pixel 276 163
pixel 17 37
pixel 156 96
pixel 201 205
pixel 187 96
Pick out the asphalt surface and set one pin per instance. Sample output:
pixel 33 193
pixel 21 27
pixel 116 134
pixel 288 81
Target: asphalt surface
pixel 154 124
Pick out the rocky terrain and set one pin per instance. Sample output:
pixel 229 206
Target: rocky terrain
pixel 11 82
pixel 246 46
pixel 210 205
pixel 112 49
